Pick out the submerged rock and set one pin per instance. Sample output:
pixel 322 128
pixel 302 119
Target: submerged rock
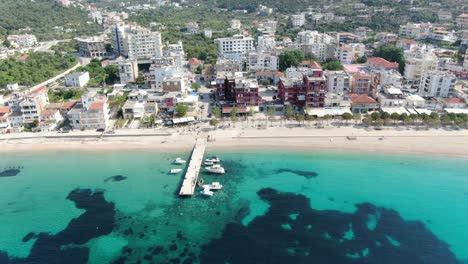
pixel 9 172
pixel 306 174
pixel 115 178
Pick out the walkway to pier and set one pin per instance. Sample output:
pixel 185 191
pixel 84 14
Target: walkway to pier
pixel 191 176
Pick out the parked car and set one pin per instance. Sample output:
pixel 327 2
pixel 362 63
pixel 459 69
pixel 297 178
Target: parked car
pixel 109 132
pixel 100 130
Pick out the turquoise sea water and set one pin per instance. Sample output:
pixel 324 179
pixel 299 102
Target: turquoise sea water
pixel 152 224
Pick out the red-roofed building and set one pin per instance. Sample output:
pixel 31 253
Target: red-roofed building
pixel 462 21
pixel 454 102
pixel 362 103
pixel 91 113
pixel 23 58
pixel 361 83
pixel 49 119
pixel 311 64
pixel 193 64
pixel 4 121
pixel 382 64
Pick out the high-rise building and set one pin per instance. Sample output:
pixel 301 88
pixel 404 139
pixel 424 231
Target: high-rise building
pixel 320 45
pixel 237 44
pixel 136 43
pixel 437 84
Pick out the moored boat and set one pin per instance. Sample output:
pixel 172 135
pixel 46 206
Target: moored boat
pixel 207 192
pixel 216 169
pixel 174 171
pixel 213 186
pixel 179 161
pixel 213 159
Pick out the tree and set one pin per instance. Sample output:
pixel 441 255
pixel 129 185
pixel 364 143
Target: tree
pixel 332 66
pixel 140 79
pixel 214 122
pixel 357 118
pixel 289 111
pixel 271 114
pixel 327 117
pixel 234 113
pixel 361 60
pixel 181 109
pixel 375 116
pixel 347 117
pixel 290 58
pixel 391 53
pixel 300 118
pixel 395 117
pixel 385 115
pixel 216 112
pixel 112 74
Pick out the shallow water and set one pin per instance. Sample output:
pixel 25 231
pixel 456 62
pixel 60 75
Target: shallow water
pixel 357 207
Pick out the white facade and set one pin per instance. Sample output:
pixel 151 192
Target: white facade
pixel 22 41
pixel 128 71
pixel 416 31
pixel 262 61
pixel 235 24
pixel 12 86
pixel 320 45
pixel 136 43
pixel 444 36
pixel 348 53
pixel 77 79
pixel 49 120
pixel 437 84
pixel 338 82
pixel 298 20
pixel 417 63
pixel 91 113
pixel 266 43
pixel 157 75
pixel 238 44
pixel 33 105
pixel 208 33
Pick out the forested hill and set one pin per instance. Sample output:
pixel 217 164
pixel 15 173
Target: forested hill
pixel 41 16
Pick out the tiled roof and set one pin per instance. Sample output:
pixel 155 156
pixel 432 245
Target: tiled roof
pixel 96 106
pixel 48 112
pixel 5 109
pixel 68 105
pixel 276 73
pixel 383 63
pixel 454 100
pixel 194 61
pixel 38 90
pixel 361 99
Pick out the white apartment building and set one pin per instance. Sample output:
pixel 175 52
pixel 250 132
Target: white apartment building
pixel 437 84
pixel 387 77
pixel 348 53
pixel 416 31
pixel 49 119
pixel 298 20
pixel 338 82
pixel 91 113
pixel 136 43
pixel 77 79
pixel 227 65
pixel 266 43
pixel 128 71
pixel 157 75
pixel 22 41
pixel 417 63
pixel 237 44
pixel 175 51
pixel 320 45
pixel 268 27
pixel 262 61
pixel 444 36
pixel 33 105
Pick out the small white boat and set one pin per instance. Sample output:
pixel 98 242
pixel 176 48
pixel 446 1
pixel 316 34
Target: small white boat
pixel 208 163
pixel 216 169
pixel 212 159
pixel 174 171
pixel 179 161
pixel 213 186
pixel 207 192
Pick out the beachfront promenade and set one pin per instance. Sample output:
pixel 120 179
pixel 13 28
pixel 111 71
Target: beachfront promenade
pixel 191 176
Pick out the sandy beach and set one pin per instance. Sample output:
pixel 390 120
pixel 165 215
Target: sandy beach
pixel 433 142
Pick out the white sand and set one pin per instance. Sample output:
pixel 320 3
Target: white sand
pixel 434 142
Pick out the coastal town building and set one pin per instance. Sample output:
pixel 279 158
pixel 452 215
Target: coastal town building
pixel 234 46
pixel 306 91
pixel 33 104
pixel 437 84
pixel 92 47
pixel 416 30
pixel 5 112
pixel 320 45
pixel 348 53
pixel 266 43
pixel 235 24
pixel 362 103
pixel 417 63
pixel 228 65
pixel 49 119
pixel 128 71
pixel 192 27
pixel 298 20
pixel 77 79
pixel 22 41
pixel 136 43
pixel 377 63
pixel 338 82
pixel 361 83
pixel 262 61
pixel 271 77
pixel 389 96
pixel 237 91
pixel 443 36
pixel 91 113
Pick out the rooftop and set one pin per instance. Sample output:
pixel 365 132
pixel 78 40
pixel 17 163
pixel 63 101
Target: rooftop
pixel 5 109
pixel 361 99
pixel 377 61
pixel 454 100
pixel 96 106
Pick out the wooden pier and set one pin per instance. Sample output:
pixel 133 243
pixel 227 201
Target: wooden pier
pixel 191 176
